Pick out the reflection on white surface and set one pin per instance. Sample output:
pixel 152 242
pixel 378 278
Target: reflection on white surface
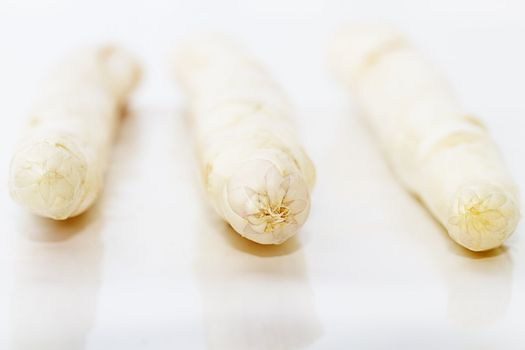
pixel 391 265
pixel 57 272
pixel 479 286
pixel 254 296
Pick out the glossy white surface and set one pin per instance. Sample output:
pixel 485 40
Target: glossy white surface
pixel 151 266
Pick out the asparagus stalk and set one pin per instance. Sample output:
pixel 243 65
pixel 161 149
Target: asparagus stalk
pixel 441 154
pixel 256 174
pixel 57 171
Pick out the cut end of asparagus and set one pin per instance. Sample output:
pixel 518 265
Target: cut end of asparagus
pixel 483 217
pixel 47 177
pixel 268 205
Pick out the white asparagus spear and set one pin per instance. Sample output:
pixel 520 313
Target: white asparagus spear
pixel 441 154
pixel 58 169
pixel 255 172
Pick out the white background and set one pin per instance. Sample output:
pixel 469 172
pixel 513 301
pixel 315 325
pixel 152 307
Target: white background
pixel 151 266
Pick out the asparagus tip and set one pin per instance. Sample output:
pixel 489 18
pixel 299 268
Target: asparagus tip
pixel 482 217
pixel 47 177
pixel 271 203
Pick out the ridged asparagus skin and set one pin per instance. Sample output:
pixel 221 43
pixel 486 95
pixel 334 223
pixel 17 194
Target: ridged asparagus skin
pixel 57 171
pixel 443 155
pixel 255 171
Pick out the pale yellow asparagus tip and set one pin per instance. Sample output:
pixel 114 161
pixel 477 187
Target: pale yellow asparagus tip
pixel 47 178
pixel 269 205
pixel 482 217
